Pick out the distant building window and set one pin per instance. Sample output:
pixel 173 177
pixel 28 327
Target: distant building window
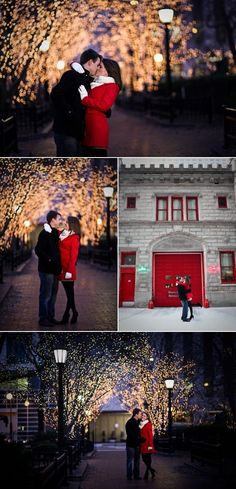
pixel 222 202
pixel 177 208
pixel 131 202
pixel 227 267
pixel 128 258
pixel 192 208
pixel 162 208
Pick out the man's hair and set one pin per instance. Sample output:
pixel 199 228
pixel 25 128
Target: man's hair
pixel 52 215
pixel 89 54
pixel 136 411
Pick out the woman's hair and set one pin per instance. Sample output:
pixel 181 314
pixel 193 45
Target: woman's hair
pixel 148 417
pixel 74 224
pixel 113 70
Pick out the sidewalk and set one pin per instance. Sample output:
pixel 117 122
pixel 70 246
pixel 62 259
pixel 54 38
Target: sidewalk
pixel 107 470
pixel 169 319
pixel 95 296
pixel 133 134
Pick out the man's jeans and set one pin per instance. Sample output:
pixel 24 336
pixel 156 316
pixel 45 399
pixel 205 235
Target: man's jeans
pixel 47 295
pixel 185 309
pixel 133 456
pixel 67 145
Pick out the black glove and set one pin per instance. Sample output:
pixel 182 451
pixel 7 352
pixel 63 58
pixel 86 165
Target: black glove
pixel 108 113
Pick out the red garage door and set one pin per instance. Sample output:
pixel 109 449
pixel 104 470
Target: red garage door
pixel 167 266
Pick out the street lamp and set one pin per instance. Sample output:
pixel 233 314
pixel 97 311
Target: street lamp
pixel 166 17
pixel 60 358
pixel 169 383
pixel 27 403
pixel 108 193
pixel 9 398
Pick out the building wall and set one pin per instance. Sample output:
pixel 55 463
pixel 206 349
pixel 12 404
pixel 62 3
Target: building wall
pixel 109 427
pixel 215 230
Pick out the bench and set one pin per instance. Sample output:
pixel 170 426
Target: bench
pixel 53 475
pixel 207 453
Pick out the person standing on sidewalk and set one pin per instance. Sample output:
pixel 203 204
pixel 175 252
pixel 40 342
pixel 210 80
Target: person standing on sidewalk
pixel 189 296
pixel 147 446
pixel 133 444
pixel 183 298
pixel 69 241
pixel 49 267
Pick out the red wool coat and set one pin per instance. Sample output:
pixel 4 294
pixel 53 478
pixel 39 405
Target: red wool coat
pixel 147 433
pixel 69 250
pixel 99 100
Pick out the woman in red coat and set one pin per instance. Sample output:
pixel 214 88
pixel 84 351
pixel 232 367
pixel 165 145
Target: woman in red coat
pixel 69 241
pixel 101 97
pixel 147 446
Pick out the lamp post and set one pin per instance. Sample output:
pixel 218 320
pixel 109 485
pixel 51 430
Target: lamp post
pixel 9 398
pixel 108 193
pixel 169 383
pixel 60 358
pixel 166 17
pixel 27 403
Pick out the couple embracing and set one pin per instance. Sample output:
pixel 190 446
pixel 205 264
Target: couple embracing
pixel 57 250
pixel 139 431
pixel 82 102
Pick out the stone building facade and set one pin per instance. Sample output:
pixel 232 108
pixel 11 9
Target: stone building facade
pixel 177 217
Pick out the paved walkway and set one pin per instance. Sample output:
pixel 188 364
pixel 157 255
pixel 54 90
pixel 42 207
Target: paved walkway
pixel 131 134
pixel 107 470
pixel 95 299
pixel 168 319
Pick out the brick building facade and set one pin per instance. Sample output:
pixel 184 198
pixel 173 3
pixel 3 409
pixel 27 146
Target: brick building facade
pixel 177 217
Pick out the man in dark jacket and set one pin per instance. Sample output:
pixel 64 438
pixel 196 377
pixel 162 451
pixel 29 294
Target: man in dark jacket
pixel 132 444
pixel 69 113
pixel 49 266
pixel 182 293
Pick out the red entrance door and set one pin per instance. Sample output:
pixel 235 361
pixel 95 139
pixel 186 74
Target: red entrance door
pixel 127 285
pixel 168 266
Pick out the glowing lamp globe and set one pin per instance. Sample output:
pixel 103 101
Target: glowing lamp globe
pixel 60 356
pixel 169 383
pixel 166 15
pixel 108 192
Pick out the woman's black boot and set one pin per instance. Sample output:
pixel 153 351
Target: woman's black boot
pixel 153 472
pixel 74 317
pixel 65 318
pixel 146 475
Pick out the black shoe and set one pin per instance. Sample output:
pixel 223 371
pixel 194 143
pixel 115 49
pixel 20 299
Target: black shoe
pixel 65 318
pixel 45 322
pixel 53 321
pixel 129 478
pixel 74 317
pixel 146 475
pixel 153 472
pixel 186 320
pixel 191 317
pixel 137 478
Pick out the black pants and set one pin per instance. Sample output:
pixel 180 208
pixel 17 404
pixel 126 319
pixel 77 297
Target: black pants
pixel 69 290
pixel 147 459
pixel 91 151
pixel 190 307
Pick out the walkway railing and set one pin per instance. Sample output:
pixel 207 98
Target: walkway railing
pixel 8 135
pixel 171 108
pixel 10 260
pixel 229 126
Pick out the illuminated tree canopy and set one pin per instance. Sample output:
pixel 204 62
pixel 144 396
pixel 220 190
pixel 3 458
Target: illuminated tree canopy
pixel 29 188
pixel 40 38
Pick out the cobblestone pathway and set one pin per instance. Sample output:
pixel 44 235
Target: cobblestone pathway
pixel 133 135
pixel 95 299
pixel 107 469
